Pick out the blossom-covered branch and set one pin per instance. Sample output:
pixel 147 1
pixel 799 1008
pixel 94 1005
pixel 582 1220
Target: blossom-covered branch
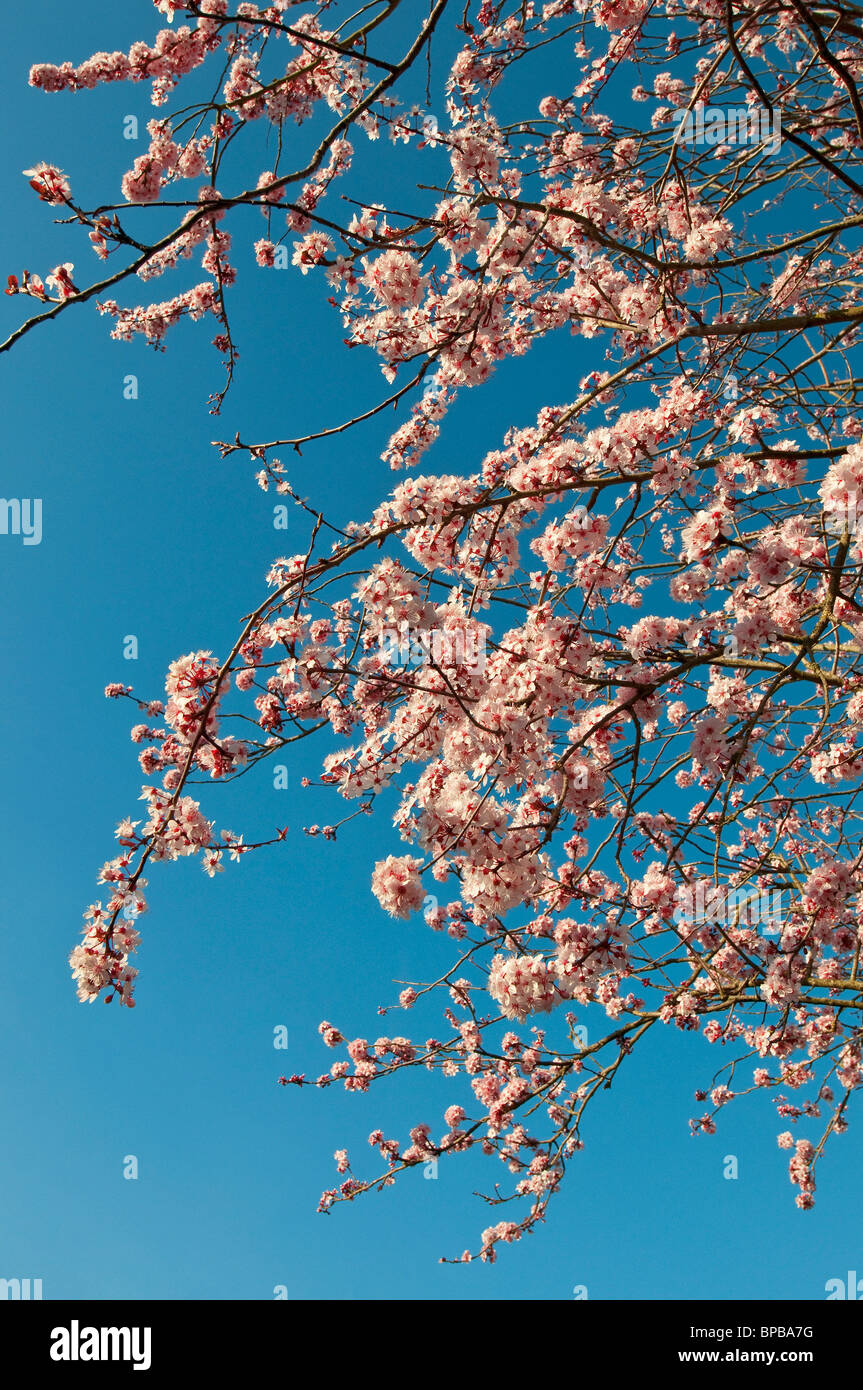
pixel 609 676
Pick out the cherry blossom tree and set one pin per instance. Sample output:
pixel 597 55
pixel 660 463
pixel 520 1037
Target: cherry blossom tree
pixel 631 713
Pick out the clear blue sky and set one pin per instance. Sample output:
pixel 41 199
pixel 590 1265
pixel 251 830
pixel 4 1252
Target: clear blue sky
pixel 146 532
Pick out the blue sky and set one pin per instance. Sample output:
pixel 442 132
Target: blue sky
pixel 146 532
